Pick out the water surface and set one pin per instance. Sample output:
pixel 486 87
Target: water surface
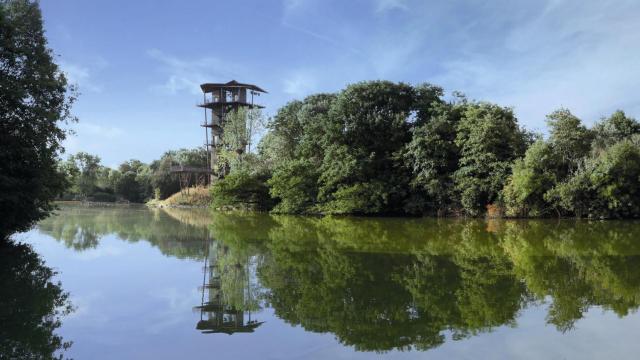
pixel 168 284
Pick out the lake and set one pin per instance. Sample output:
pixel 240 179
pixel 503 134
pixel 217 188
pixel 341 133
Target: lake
pixel 170 283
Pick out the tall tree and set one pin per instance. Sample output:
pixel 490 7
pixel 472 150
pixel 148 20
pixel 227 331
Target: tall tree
pixel 35 100
pixel 489 139
pixel 569 138
pixel 368 128
pixel 432 156
pixel 613 129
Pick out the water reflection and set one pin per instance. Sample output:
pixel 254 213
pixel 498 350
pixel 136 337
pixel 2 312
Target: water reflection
pixel 31 306
pixel 228 295
pixel 383 284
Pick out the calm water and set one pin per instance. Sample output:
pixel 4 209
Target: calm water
pixel 168 284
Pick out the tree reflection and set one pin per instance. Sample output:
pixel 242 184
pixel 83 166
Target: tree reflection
pixel 385 283
pixel 382 284
pixel 176 233
pixel 31 306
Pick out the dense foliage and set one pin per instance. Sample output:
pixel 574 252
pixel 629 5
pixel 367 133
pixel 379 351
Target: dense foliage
pixel 132 181
pixel 35 102
pixel 390 148
pixel 578 171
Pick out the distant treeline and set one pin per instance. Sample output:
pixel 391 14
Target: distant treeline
pixel 391 148
pixel 132 181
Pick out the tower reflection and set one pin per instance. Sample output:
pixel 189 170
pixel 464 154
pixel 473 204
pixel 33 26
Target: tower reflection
pixel 228 296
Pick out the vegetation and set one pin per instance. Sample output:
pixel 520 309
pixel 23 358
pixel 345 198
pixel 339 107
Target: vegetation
pixel 35 101
pixel 375 147
pixel 132 181
pixel 196 196
pixel 578 171
pixel 390 148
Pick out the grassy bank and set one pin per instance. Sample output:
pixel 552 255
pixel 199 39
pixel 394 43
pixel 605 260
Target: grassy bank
pixel 198 196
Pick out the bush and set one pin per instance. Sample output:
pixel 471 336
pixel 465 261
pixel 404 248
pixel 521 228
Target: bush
pixel 102 197
pixel 295 185
pixel 605 186
pixel 242 190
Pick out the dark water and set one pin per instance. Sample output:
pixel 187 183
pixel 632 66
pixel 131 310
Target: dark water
pixel 168 284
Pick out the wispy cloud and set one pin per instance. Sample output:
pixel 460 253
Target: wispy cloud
pixel 82 76
pixel 573 54
pixel 187 74
pixel 92 137
pixel 324 38
pixel 107 132
pixel 300 83
pixel 543 55
pixel 388 5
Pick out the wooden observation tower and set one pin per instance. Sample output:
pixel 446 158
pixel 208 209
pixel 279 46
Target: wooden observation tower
pixel 221 99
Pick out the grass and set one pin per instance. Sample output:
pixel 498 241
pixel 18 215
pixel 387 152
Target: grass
pixel 196 196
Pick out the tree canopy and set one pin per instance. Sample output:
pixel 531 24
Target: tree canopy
pixel 35 101
pixel 380 147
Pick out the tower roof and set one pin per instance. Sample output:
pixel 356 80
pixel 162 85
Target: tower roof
pixel 211 87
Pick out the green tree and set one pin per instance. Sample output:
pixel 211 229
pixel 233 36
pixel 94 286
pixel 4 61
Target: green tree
pixel 162 181
pixel 35 100
pixel 532 177
pixel 242 189
pixel 616 178
pixel 88 166
pixel 433 156
pixel 367 130
pixel 569 139
pixel 295 185
pixel 489 139
pixel 613 129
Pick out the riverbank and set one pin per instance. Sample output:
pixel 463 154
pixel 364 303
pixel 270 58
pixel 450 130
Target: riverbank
pixel 195 197
pixel 98 203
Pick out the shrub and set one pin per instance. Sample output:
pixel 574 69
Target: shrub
pixel 242 189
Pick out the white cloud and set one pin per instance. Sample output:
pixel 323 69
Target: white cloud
pixel 388 5
pixel 108 132
pixel 300 83
pixel 532 56
pixel 572 54
pixel 91 137
pixel 81 75
pixel 188 74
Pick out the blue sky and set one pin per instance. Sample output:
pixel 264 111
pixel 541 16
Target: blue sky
pixel 138 63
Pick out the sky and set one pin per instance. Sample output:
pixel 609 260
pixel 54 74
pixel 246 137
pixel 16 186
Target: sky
pixel 138 64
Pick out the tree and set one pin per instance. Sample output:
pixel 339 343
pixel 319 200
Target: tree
pixel 532 177
pixel 604 186
pixel 613 129
pixel 88 166
pixel 295 185
pixel 616 178
pixel 127 187
pixel 162 181
pixel 279 144
pixel 367 129
pixel 242 189
pixel 35 100
pixel 489 139
pixel 569 138
pixel 433 156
